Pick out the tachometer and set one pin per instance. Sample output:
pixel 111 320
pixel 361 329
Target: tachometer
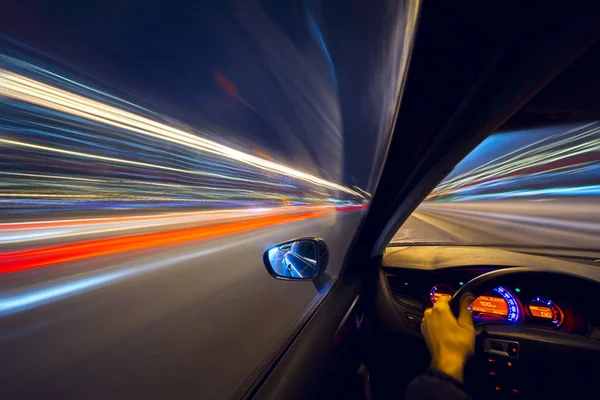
pixel 544 309
pixel 440 291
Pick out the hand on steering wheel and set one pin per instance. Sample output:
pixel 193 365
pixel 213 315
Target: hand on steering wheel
pixel 450 340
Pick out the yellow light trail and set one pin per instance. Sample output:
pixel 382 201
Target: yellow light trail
pixel 31 91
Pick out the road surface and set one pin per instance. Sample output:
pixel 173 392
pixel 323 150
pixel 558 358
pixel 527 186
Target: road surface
pixel 566 223
pixel 191 317
pixel 179 304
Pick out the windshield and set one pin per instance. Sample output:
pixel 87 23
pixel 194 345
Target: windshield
pixel 535 188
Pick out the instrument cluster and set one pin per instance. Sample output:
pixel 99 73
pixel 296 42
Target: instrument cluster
pixel 503 304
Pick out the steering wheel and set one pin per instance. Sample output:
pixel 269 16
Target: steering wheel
pixel 514 358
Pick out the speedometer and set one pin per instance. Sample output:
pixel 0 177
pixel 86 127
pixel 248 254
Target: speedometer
pixel 499 303
pixel 544 309
pixel 490 305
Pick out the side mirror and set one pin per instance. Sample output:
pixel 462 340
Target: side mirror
pixel 299 259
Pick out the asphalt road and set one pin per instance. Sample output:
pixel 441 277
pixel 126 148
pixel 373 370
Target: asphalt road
pixel 182 320
pixel 565 223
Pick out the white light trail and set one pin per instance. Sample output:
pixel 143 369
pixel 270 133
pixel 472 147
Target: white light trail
pixel 31 91
pixel 119 160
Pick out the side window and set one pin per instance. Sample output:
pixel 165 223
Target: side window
pixel 536 188
pixel 150 154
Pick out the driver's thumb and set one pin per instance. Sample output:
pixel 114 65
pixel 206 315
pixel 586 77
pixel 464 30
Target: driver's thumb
pixel 464 316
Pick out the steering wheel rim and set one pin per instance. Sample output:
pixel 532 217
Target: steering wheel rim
pixel 485 282
pixel 536 348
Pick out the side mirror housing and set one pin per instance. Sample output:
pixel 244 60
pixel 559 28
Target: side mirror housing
pixel 300 259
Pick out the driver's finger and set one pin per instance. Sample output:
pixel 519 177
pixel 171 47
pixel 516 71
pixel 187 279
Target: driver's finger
pixel 441 305
pixel 464 316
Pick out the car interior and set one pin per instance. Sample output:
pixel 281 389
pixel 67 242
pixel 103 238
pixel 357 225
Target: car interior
pixel 472 72
pixel 202 304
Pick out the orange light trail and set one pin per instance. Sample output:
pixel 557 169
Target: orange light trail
pixel 142 218
pixel 52 255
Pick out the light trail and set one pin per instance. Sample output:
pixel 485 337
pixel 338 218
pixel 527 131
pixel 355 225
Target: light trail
pixel 61 177
pixel 117 160
pixel 91 221
pixel 171 185
pixel 593 190
pixel 27 232
pixel 27 299
pixel 154 217
pixel 532 155
pixel 28 90
pixel 571 152
pixel 57 254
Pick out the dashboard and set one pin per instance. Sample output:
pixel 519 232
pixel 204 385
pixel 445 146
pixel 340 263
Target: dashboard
pixel 414 278
pixel 545 306
pixel 544 312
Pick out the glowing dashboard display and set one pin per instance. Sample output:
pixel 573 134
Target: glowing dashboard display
pixel 545 309
pixel 490 305
pixel 541 312
pixel 440 291
pixel 498 303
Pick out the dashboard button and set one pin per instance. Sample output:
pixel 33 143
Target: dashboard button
pixel 513 349
pixel 414 321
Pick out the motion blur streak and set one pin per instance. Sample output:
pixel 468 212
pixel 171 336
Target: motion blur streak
pixel 562 223
pixel 92 183
pixel 569 154
pixel 41 257
pixel 151 153
pixel 18 87
pixel 527 188
pixel 86 221
pixel 97 157
pixel 89 270
pixel 24 300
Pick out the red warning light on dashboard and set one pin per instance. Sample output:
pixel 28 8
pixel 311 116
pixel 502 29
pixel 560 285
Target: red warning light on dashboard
pixel 541 312
pixel 490 305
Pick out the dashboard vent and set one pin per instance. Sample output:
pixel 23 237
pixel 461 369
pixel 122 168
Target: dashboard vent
pixel 407 292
